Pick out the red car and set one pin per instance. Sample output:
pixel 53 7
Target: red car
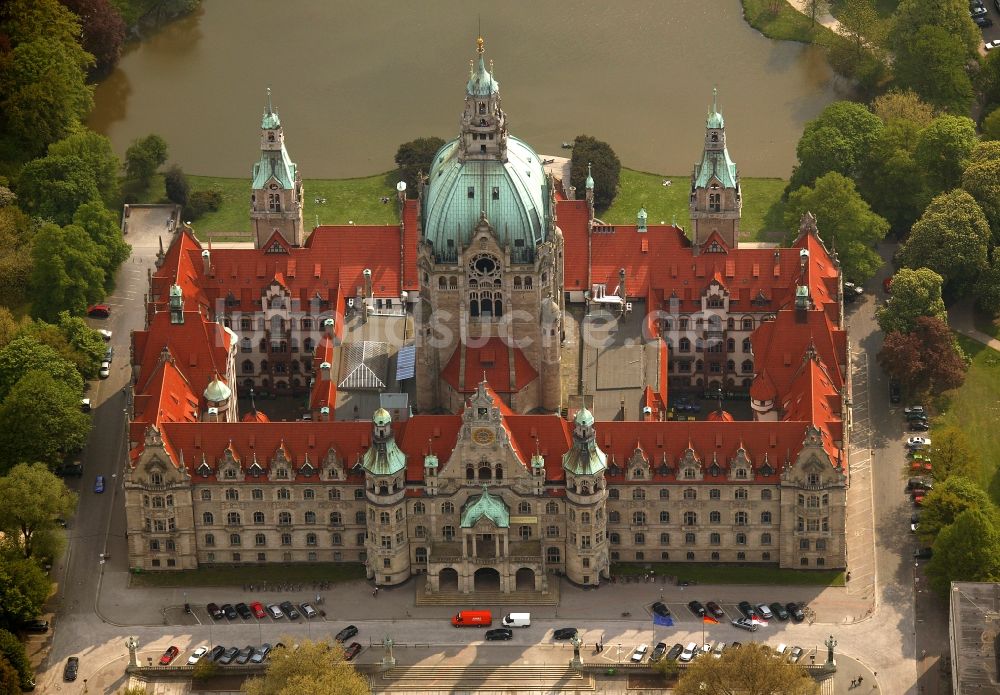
pixel 258 610
pixel 99 311
pixel 169 655
pixel 352 651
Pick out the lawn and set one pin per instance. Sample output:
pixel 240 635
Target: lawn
pixel 258 574
pixel 762 204
pixel 788 24
pixel 975 408
pixel 732 574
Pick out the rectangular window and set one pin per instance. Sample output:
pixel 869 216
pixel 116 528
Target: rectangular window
pixel 471 193
pixel 803 544
pixel 586 562
pixel 585 542
pixel 261 557
pixel 496 193
pixel 386 563
pixel 387 542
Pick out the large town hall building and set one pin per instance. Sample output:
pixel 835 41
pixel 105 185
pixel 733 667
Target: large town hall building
pixel 489 393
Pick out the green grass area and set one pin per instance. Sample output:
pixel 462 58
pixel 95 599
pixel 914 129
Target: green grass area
pixel 974 407
pixel 885 8
pixel 787 24
pixel 762 204
pixel 732 574
pixel 258 574
pixel 987 324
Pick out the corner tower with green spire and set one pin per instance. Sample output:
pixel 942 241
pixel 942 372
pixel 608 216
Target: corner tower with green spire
pixel 276 195
pixel 716 200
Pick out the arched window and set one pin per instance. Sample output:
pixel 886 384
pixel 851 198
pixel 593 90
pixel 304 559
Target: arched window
pixel 765 494
pixel 614 539
pixel 524 508
pixel 233 518
pixel 452 283
pixel 448 532
pixel 310 517
pixel 742 493
pixel 447 508
pixel 336 518
pixel 747 323
pixel 638 493
pixel 614 517
pixel 284 493
pixel 664 517
pixel 209 539
pixel 247 367
pixel 484 471
pixel 690 494
pixel 747 366
pixel 584 517
pixel 442 283
pixel 310 539
pixel 730 345
pixel 551 508
pixel 664 493
pixel 684 345
pixel 714 538
pixel 234 539
pixel 336 539
pixel 746 345
pixel 284 518
pixel 741 539
pixel 359 517
pixel 765 517
pixel 470 472
pixel 552 555
pixel 333 493
pixel 638 518
pixel 260 540
pixel 207 518
pixel 714 517
pixel 418 508
pixel 690 518
pixel 813 502
pixel 742 518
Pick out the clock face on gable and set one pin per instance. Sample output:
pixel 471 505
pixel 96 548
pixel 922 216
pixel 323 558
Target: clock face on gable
pixel 483 435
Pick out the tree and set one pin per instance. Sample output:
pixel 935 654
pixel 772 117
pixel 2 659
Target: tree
pixel 953 454
pixel 668 668
pixel 815 8
pixel 988 82
pixel 952 239
pixel 17 231
pixel 318 668
pixel 12 649
pixel 967 550
pixel 904 105
pixel 927 359
pixel 31 498
pixel 836 140
pixel 87 345
pixel 9 326
pixel 143 157
pixel 914 293
pixel 951 15
pixel 982 180
pixel 67 273
pixel 27 354
pixel 862 56
pixel 946 501
pixel 103 31
pixel 988 288
pixel 94 150
pixel 54 187
pixel 605 169
pixel 102 227
pixel 177 186
pixel 753 667
pixel 10 679
pixel 891 180
pixel 932 64
pixel 991 125
pixel 414 157
pixel 845 219
pixel 24 587
pixel 943 148
pixel 41 420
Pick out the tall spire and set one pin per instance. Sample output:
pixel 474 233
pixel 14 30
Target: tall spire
pixel 269 108
pixel 270 120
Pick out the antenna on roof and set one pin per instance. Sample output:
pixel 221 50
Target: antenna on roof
pixel 253 405
pixel 430 446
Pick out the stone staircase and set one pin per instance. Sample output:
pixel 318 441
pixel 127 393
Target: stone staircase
pixel 481 679
pixel 485 599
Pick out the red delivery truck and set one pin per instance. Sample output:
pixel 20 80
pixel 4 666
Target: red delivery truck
pixel 472 619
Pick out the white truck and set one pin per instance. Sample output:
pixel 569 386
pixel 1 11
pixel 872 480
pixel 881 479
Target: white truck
pixel 517 620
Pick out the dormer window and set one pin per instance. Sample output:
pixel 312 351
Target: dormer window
pixel 270 136
pixel 155 479
pixel 281 473
pixel 204 471
pixel 230 473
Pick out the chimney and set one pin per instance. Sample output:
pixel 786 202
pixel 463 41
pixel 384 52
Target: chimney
pixel 206 260
pixel 328 326
pixel 324 413
pixel 324 371
pixel 368 283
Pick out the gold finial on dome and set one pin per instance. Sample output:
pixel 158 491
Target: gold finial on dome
pixel 479 45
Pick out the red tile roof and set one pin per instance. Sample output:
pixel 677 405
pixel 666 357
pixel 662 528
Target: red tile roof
pixel 492 362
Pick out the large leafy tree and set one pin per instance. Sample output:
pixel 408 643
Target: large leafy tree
pixel 317 668
pixel 836 140
pixel 988 81
pixel 943 149
pixel 953 454
pixel 932 63
pixel 68 271
pixel 10 679
pixel 749 670
pixel 952 239
pixel 605 165
pixel 54 187
pixel 988 287
pixel 952 16
pixel 414 157
pixel 102 227
pixel 844 219
pixel 968 550
pixel 946 501
pixel 27 353
pixel 16 233
pixel 982 180
pixel 862 56
pixel 94 150
pixel 13 650
pixel 143 157
pixel 24 586
pixel 31 498
pixel 891 180
pixel 927 359
pixel 40 420
pixel 904 105
pixel 87 345
pixel 103 31
pixel 915 293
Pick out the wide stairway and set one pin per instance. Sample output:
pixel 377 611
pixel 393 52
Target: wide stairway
pixel 485 599
pixel 481 679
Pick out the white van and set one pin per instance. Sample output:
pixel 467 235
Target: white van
pixel 689 651
pixel 517 620
pixel 781 653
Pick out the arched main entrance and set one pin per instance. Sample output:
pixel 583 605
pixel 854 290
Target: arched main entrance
pixel 448 579
pixel 486 579
pixel 524 580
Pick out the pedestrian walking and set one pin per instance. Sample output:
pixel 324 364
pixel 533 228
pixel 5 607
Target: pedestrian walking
pixel 854 682
pixel 375 592
pixel 860 678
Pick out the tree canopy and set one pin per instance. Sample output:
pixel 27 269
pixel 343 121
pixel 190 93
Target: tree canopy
pixel 41 420
pixel 915 293
pixel 143 157
pixel 932 62
pixel 67 272
pixel 967 550
pixel 24 586
pixel 317 668
pixel 605 167
pixel 414 157
pixel 946 501
pixel 837 140
pixel 102 227
pixel 927 359
pixel 31 498
pixel 26 353
pixel 844 220
pixel 943 149
pixel 103 31
pixel 753 667
pixel 891 180
pixel 988 287
pixel 53 187
pixel 903 105
pixel 13 650
pixel 953 454
pixel 94 150
pixel 982 181
pixel 950 15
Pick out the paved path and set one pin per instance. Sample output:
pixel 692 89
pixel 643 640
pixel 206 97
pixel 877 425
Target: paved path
pixel 823 17
pixel 960 318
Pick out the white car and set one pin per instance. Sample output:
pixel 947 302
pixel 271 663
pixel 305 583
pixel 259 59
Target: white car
pixel 719 648
pixel 196 655
pixel 918 442
pixel 105 370
pixel 990 45
pixel 640 653
pixel 105 333
pixel 275 611
pixel 688 652
pixel 765 611
pixel 706 649
pixel 913 409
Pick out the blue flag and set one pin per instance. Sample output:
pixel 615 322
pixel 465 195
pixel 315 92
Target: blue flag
pixel 665 621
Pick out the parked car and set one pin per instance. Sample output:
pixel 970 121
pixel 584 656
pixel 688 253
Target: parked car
pixel 109 354
pixel 914 410
pixel 229 611
pixel 795 611
pixel 258 609
pixel 71 668
pixel 216 652
pixel 99 311
pixel 914 522
pixel 105 371
pixel 351 652
pixel 715 609
pixel 779 611
pixel 85 405
pixel 697 608
pixel 245 654
pixel 983 21
pixel 658 652
pixel 261 654
pixel 744 624
pixel 920 425
pixel 895 391
pixel 764 611
pixel 706 649
pixel 499 633
pixel 99 484
pixel 640 653
pixel 308 610
pixel 346 634
pixel 564 633
pixel 197 654
pixel 228 656
pixel 923 554
pixel 719 648
pixel 661 609
pixel 795 655
pixel 920 483
pixel 675 651
pixel 36 626
pixel 852 292
pixel 288 609
pixel 688 652
pixel 918 442
pixel 244 611
pixel 918 498
pixel 917 414
pixel 275 611
pixel 214 611
pixel 105 333
pixel 746 609
pixel 169 655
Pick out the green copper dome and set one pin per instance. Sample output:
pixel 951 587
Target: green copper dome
pixel 493 508
pixel 381 417
pixel 481 82
pixel 584 417
pixel 217 391
pixel 715 119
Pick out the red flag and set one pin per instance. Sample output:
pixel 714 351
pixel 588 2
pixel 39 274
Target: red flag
pixel 709 620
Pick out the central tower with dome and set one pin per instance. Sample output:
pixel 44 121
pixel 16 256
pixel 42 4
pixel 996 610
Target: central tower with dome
pixel 490 264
